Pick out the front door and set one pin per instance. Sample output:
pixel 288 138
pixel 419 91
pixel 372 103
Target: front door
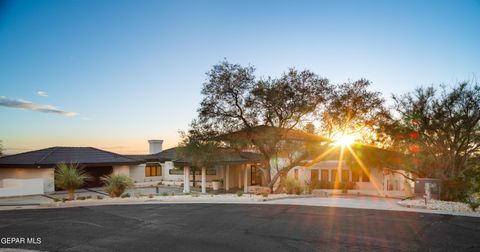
pixel 255 175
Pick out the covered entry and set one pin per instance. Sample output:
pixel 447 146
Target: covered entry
pixel 96 173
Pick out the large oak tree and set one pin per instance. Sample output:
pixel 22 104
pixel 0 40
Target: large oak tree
pixel 234 99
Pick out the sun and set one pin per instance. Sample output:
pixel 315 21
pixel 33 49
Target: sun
pixel 344 140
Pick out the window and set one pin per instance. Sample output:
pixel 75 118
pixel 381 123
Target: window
pixel 153 170
pixel 324 175
pixel 355 175
pixel 334 176
pixel 314 175
pixel 345 176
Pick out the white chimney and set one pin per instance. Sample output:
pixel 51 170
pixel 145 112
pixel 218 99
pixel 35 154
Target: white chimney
pixel 155 146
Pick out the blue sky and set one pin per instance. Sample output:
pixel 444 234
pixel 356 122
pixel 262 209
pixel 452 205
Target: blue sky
pixel 116 73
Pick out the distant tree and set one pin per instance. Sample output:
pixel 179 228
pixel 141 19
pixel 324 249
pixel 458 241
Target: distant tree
pixel 440 128
pixel 235 100
pixel 353 109
pixel 1 148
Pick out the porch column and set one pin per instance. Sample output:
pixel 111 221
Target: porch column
pixel 227 177
pixel 240 171
pixel 186 179
pixel 245 179
pixel 204 179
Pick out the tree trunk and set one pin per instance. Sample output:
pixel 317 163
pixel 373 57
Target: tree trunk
pixel 71 194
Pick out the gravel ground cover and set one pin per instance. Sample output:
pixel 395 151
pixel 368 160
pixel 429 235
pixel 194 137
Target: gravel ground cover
pixel 447 206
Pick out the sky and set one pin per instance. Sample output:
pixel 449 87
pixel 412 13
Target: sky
pixel 113 74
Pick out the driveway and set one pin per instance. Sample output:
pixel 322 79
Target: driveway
pixel 233 227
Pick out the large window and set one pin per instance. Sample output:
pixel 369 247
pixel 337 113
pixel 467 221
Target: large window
pixel 314 175
pixel 153 170
pixel 345 176
pixel 355 175
pixel 324 175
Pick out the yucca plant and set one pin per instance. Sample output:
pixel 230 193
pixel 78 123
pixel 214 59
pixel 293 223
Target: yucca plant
pixel 116 184
pixel 70 177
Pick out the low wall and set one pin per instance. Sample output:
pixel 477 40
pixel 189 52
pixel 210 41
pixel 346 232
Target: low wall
pixel 21 187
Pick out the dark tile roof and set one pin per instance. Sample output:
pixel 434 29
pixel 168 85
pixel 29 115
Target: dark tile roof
pixel 166 155
pixel 225 157
pixel 269 132
pixel 51 156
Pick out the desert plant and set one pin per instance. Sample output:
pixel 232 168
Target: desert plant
pixel 292 186
pixel 125 195
pixel 265 194
pixel 116 184
pixel 151 195
pixel 239 193
pixel 81 198
pixel 164 194
pixel 56 199
pixel 99 197
pixel 70 177
pixel 88 197
pixel 473 205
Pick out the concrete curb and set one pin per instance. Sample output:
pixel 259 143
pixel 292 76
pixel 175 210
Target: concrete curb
pixel 413 206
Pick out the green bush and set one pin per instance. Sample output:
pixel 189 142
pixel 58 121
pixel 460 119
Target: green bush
pixel 151 195
pixel 99 197
pixel 116 184
pixel 239 193
pixel 265 194
pixel 81 198
pixel 292 186
pixel 125 195
pixel 474 205
pixel 164 194
pixel 70 177
pixel 56 199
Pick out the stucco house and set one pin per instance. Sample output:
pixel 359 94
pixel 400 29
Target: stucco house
pixel 33 172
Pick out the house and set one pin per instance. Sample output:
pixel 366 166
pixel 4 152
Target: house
pixel 40 164
pixel 362 169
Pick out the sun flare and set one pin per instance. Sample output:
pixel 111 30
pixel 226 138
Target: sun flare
pixel 344 140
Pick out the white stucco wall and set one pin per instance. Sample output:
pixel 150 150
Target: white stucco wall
pixel 121 169
pixel 47 174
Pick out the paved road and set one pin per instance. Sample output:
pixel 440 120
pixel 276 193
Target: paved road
pixel 230 227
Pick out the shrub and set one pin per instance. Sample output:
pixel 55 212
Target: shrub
pixel 99 197
pixel 151 195
pixel 116 184
pixel 70 177
pixel 239 193
pixel 474 205
pixel 55 199
pixel 81 198
pixel 195 194
pixel 125 195
pixel 292 186
pixel 88 197
pixel 265 194
pixel 164 194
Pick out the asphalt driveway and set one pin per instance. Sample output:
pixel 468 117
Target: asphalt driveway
pixel 231 227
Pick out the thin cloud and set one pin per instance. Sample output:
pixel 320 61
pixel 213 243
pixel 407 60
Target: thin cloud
pixel 28 105
pixel 42 93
